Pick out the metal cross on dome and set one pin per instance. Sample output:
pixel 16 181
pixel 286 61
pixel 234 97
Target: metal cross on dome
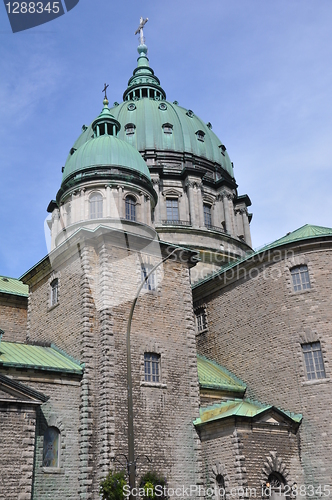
pixel 140 29
pixel 104 90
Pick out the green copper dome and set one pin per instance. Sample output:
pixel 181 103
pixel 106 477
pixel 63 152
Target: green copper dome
pixel 146 121
pixel 107 151
pixel 163 126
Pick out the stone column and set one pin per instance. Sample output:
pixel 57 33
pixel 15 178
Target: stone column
pixel 148 211
pixel 120 202
pixel 114 213
pixel 157 212
pixel 226 198
pixel 82 196
pixel 55 226
pixel 219 212
pixel 108 201
pixel 190 194
pixel 142 217
pixel 199 204
pixel 246 227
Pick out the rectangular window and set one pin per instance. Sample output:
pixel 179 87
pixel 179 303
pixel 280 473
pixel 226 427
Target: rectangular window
pixel 207 216
pixel 300 278
pixel 150 283
pixel 172 209
pixel 54 292
pixel 151 367
pixel 313 360
pixel 201 323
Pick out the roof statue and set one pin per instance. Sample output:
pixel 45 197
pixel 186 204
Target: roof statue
pixel 140 29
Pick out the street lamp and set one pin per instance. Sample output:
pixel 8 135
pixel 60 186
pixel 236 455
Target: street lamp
pixel 131 443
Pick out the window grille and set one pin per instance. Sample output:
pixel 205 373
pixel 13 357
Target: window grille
pixel 96 206
pixel 313 359
pixel 130 208
pixel 151 367
pixel 300 278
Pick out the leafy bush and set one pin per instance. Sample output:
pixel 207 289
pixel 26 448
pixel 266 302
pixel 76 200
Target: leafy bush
pixel 112 486
pixel 149 482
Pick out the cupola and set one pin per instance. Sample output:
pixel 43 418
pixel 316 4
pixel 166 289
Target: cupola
pixel 143 83
pixel 105 123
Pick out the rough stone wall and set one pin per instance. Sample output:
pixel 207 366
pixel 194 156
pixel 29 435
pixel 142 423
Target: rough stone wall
pixel 61 411
pixel 13 317
pixel 266 450
pixel 95 294
pixel 61 323
pixel 255 329
pixel 163 413
pixel 246 454
pixel 17 440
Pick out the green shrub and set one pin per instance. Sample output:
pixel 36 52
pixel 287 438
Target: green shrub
pixel 112 486
pixel 149 482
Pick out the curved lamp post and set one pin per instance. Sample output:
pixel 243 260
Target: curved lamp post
pixel 131 444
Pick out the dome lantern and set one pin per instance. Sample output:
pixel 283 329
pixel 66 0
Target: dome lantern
pixel 143 83
pixel 105 123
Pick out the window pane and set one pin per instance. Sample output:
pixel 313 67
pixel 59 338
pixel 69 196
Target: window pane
pixel 300 278
pixel 201 320
pixel 150 284
pixel 96 206
pixel 172 209
pixel 313 360
pixel 54 292
pixel 51 447
pixel 151 367
pixel 130 208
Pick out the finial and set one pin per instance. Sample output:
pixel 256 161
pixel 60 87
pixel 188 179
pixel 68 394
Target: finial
pixel 105 101
pixel 140 29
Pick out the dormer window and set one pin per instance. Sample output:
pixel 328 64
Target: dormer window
pixel 130 128
pixel 200 135
pixel 222 149
pixel 167 128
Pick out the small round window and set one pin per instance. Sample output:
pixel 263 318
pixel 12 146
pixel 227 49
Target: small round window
pixel 162 106
pixel 131 107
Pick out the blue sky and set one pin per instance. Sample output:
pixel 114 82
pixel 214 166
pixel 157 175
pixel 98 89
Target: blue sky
pixel 259 71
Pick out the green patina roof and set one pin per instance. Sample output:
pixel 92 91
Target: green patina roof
pixel 238 408
pixel 13 286
pixel 37 357
pixel 143 75
pixel 149 119
pixel 213 376
pixel 149 115
pixel 305 232
pixel 105 150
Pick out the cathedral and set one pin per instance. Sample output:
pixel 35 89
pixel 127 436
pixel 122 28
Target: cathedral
pixel 152 337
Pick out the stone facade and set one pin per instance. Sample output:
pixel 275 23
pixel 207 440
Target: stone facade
pixel 13 316
pixel 121 199
pixel 257 324
pixel 89 322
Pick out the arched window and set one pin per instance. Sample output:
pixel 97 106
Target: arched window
pixel 220 493
pixel 96 206
pixel 130 208
pixel 51 450
pixel 276 484
pixel 300 278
